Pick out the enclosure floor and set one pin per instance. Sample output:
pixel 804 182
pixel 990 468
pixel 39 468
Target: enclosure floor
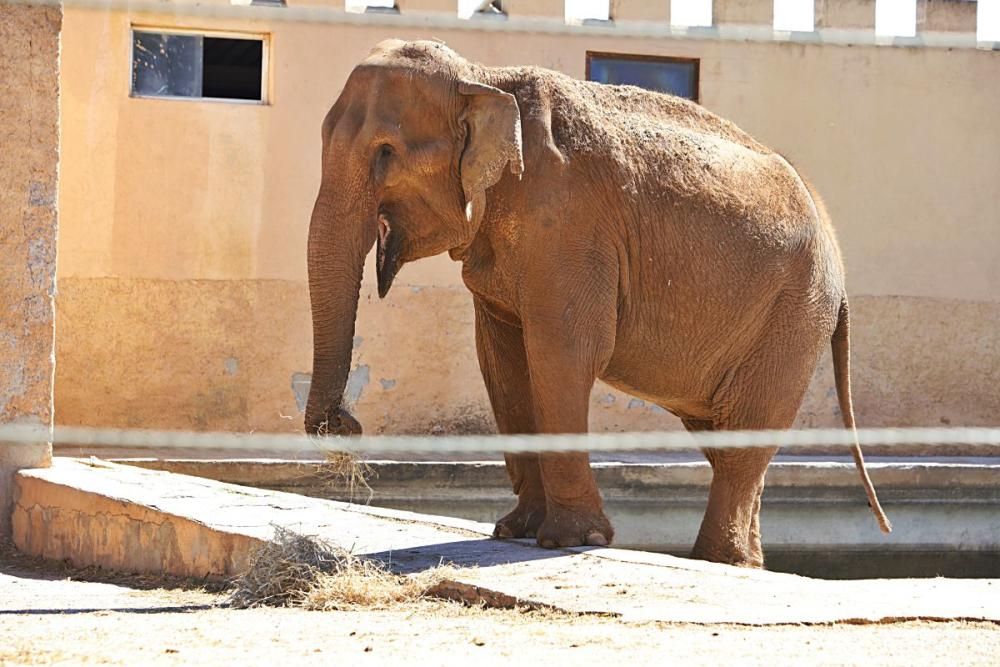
pixel 131 519
pixel 53 615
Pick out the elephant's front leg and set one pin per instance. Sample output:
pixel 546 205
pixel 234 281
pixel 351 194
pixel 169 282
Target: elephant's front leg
pixel 574 510
pixel 563 358
pixel 505 371
pixel 529 513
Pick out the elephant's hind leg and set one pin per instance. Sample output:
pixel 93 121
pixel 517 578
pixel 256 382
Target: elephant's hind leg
pixel 505 371
pixel 764 393
pixel 730 531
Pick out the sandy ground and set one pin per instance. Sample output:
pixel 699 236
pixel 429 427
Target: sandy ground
pixel 53 615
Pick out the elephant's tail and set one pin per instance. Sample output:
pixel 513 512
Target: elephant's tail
pixel 841 344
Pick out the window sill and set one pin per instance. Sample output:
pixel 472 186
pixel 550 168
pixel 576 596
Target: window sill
pixel 213 100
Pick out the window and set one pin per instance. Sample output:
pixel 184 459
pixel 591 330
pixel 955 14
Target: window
pixel 199 66
pixel 677 76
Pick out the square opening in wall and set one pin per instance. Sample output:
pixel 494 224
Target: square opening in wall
pixel 198 66
pixel 675 76
pixel 233 68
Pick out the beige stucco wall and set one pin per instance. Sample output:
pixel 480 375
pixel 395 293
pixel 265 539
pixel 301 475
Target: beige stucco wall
pixel 29 136
pixel 848 14
pixel 182 265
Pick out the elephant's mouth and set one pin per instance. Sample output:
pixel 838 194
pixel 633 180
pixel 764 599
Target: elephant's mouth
pixel 387 255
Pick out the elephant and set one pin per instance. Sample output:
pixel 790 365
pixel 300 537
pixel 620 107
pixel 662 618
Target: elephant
pixel 604 232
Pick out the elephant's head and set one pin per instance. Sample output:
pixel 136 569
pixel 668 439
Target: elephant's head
pixel 410 147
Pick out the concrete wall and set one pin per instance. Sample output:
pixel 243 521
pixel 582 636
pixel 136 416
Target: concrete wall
pixel 29 134
pixel 849 14
pixel 183 301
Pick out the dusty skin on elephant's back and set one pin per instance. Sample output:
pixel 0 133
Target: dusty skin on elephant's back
pixel 604 232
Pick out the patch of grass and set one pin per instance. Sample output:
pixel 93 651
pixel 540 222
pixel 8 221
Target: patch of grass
pixel 294 570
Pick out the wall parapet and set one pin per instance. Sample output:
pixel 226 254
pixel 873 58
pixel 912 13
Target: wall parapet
pixel 938 23
pixel 950 16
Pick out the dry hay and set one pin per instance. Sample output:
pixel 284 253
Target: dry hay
pixel 294 570
pixel 346 472
pixel 343 470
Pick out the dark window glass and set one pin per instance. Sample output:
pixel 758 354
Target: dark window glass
pixel 233 68
pixel 168 65
pixel 677 77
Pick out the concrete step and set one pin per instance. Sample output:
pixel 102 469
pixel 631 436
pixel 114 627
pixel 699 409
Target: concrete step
pixel 814 512
pixel 133 519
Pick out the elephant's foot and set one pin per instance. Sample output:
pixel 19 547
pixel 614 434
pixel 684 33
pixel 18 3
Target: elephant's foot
pixel 730 554
pixel 575 527
pixel 522 521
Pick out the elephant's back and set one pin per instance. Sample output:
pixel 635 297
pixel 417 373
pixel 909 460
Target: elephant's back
pixel 592 114
pixel 667 155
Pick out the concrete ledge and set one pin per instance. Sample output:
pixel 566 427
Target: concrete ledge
pixel 619 477
pixel 808 506
pixel 133 519
pixel 14 457
pixel 93 519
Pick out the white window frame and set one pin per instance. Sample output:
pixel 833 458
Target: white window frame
pixel 265 62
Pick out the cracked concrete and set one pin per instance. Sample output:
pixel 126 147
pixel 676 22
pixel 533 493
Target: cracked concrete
pixel 64 523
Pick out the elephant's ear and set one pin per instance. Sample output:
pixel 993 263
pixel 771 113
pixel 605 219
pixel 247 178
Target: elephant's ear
pixel 493 140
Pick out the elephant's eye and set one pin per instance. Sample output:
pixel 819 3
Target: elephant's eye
pixel 381 162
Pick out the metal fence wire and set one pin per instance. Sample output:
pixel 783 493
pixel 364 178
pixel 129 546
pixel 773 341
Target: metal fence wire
pixel 494 444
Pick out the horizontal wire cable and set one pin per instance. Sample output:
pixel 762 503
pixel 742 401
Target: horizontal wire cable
pixel 545 25
pixel 592 442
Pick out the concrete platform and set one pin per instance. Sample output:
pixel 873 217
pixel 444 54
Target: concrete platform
pixel 133 519
pixel 815 516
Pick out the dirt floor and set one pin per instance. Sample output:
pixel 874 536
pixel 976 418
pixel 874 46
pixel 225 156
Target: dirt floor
pixel 50 614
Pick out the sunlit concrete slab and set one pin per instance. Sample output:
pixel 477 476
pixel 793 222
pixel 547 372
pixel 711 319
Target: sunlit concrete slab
pixel 127 518
pixel 815 517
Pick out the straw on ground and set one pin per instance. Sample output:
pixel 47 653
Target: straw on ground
pixel 302 571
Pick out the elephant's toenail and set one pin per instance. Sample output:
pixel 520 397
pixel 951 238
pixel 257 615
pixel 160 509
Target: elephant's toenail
pixel 597 540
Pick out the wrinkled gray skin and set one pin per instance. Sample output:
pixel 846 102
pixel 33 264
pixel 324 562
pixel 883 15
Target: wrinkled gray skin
pixel 605 232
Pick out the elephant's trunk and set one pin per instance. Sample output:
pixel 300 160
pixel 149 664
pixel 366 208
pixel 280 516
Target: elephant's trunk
pixel 340 236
